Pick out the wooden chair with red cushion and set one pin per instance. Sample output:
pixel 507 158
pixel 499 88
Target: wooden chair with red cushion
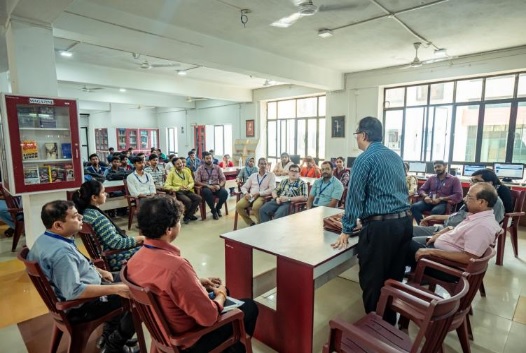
pixel 79 332
pixel 510 224
pixel 474 272
pixel 374 335
pixel 164 340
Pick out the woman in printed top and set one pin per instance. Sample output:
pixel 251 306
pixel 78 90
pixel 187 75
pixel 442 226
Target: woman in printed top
pixel 311 170
pixel 246 172
pixel 282 167
pixel 226 162
pixel 340 172
pixel 87 201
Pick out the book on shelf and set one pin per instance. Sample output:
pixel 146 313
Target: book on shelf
pixel 70 174
pixel 47 117
pixel 45 174
pixel 27 117
pixel 58 174
pixel 29 149
pixel 66 150
pixel 51 150
pixel 31 175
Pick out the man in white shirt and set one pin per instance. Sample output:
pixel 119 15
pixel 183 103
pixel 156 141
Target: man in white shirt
pixel 257 186
pixel 140 183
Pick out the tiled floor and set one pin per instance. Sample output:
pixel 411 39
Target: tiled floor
pixel 499 320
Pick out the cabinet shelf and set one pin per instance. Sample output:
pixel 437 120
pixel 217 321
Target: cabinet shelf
pixel 46 160
pixel 43 129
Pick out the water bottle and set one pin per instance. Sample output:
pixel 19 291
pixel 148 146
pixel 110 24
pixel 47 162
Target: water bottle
pixel 240 162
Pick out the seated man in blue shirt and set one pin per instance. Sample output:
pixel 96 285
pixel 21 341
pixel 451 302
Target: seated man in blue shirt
pixel 74 277
pixel 327 190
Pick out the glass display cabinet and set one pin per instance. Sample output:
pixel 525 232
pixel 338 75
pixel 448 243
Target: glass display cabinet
pixel 39 150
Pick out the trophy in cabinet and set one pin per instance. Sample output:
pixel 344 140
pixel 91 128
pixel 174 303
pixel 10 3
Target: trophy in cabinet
pixel 51 150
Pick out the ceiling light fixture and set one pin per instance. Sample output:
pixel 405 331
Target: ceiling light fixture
pixel 440 53
pixel 122 90
pixel 181 72
pixel 325 33
pixel 66 54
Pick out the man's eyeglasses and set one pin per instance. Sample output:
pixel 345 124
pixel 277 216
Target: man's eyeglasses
pixel 357 133
pixel 294 171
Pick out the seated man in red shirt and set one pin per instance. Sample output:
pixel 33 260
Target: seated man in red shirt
pixel 181 295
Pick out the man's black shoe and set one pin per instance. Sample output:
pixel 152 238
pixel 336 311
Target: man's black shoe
pixel 214 214
pixel 192 218
pixel 218 210
pixel 186 220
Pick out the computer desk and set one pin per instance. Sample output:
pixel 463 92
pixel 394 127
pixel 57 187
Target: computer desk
pixel 305 261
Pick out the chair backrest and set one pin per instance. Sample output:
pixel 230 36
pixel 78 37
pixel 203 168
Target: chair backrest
pixel 10 200
pixel 517 198
pixel 341 203
pixel 131 200
pixel 93 246
pixel 69 194
pixel 41 283
pixel 149 312
pixel 437 313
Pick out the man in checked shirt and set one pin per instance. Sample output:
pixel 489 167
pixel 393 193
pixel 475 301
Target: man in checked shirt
pixel 290 189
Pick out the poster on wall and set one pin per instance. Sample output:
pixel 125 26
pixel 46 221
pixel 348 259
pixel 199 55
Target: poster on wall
pixel 338 126
pixel 250 128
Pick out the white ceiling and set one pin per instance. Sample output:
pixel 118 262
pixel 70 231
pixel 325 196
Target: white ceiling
pixel 209 35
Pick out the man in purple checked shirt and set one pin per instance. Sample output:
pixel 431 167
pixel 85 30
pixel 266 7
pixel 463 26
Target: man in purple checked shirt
pixel 437 191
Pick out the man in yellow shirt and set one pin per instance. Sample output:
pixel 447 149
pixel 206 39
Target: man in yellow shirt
pixel 181 181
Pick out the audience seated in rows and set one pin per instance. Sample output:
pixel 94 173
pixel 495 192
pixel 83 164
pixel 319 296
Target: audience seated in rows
pixel 290 189
pixel 226 162
pixel 211 179
pixel 467 240
pixel 180 293
pixel 180 181
pixel 247 171
pixel 258 186
pixel 411 181
pixel 282 167
pixel 192 161
pixel 140 183
pixel 155 171
pixel 74 277
pixel 340 172
pixel 310 170
pixel 327 190
pixel 88 199
pixel 436 192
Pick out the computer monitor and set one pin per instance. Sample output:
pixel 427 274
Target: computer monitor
pixel 295 158
pixel 350 161
pixel 509 171
pixel 430 167
pixel 469 169
pixel 417 167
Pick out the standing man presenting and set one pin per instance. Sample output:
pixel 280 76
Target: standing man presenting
pixel 377 195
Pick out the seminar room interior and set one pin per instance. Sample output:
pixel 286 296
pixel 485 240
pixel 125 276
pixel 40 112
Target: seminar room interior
pixel 446 77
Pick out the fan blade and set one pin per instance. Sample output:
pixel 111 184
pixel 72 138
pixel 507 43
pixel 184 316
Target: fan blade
pixel 287 21
pixel 325 8
pixel 164 65
pixel 430 61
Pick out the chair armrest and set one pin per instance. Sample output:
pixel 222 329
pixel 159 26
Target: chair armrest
pixel 224 319
pixel 408 291
pixel 70 304
pixel 425 263
pixel 514 214
pixel 116 251
pixel 362 337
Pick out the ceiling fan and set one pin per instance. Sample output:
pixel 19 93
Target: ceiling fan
pixel 90 89
pixel 195 99
pixel 146 65
pixel 417 62
pixel 307 8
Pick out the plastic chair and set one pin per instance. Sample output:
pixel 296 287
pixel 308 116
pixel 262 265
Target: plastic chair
pixel 17 214
pixel 372 334
pixel 95 250
pixel 163 340
pixel 79 332
pixel 202 204
pixel 509 224
pixel 474 273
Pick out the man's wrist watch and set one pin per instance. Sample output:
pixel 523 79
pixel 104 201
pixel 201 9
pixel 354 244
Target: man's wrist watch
pixel 289 199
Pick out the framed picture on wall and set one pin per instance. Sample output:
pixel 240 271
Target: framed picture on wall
pixel 338 126
pixel 250 128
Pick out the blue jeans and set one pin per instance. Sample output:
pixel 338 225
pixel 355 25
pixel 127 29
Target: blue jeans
pixel 5 216
pixel 420 207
